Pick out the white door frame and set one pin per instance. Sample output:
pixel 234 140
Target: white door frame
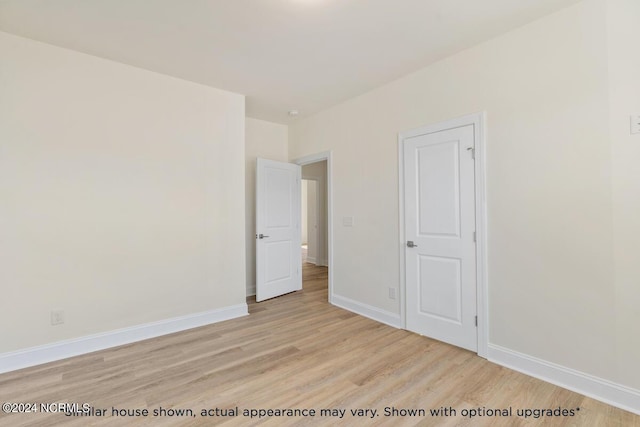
pixel 478 121
pixel 314 158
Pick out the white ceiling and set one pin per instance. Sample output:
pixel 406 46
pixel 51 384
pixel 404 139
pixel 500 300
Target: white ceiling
pixel 282 54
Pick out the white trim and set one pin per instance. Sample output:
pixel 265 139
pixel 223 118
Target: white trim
pixel 402 288
pixel 597 388
pixel 482 234
pixel 374 313
pixel 314 158
pixel 25 358
pixel 478 120
pixel 318 262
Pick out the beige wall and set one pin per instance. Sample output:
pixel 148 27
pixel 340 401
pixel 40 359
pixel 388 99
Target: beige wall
pixel 269 141
pixel 555 290
pixel 624 82
pixel 121 195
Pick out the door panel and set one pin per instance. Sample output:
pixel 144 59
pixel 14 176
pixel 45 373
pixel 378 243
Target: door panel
pixel 440 221
pixel 278 253
pixel 439 186
pixel 278 266
pixel 280 193
pixel 440 288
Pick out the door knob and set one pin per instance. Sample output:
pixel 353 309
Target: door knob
pixel 262 236
pixel 410 244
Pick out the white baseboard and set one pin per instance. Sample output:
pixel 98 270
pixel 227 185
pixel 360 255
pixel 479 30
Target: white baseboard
pixel 382 316
pixel 597 388
pixel 251 291
pixel 318 262
pixel 74 347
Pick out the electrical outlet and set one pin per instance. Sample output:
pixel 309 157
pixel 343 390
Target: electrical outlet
pixel 635 124
pixel 392 293
pixel 57 317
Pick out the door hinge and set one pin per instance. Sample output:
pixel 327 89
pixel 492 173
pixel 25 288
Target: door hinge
pixel 475 237
pixel 476 320
pixel 473 152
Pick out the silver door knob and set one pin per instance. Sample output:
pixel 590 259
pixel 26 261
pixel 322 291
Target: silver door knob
pixel 410 244
pixel 262 236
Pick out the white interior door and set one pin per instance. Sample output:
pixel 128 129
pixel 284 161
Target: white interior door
pixel 278 253
pixel 440 252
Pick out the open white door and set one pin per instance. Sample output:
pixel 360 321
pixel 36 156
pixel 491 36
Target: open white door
pixel 278 253
pixel 440 251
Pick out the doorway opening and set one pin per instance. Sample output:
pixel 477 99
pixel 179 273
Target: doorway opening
pixel 314 226
pixel 309 219
pixel 316 223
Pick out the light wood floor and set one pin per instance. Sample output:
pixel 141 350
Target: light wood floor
pixel 295 352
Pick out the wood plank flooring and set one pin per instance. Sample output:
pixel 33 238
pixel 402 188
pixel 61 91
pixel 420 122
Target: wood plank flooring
pixel 295 352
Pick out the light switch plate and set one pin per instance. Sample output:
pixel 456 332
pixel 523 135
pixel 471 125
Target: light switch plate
pixel 347 221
